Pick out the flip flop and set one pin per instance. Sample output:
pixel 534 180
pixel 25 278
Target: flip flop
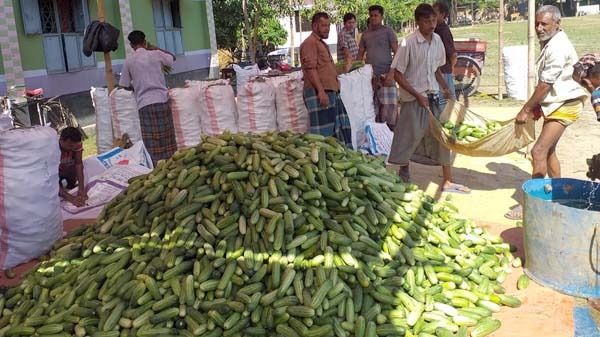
pixel 457 188
pixel 516 213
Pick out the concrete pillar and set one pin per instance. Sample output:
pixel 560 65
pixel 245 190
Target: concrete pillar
pixel 9 43
pixel 126 23
pixel 214 56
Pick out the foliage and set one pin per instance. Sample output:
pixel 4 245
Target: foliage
pixel 264 25
pixel 228 23
pixel 270 32
pixel 397 13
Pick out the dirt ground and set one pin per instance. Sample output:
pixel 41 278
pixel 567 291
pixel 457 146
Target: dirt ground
pixel 496 185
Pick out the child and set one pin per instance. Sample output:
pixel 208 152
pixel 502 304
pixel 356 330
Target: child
pixel 70 170
pixel 587 73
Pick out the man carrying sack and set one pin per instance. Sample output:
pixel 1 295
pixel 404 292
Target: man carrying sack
pixel 417 70
pixel 557 97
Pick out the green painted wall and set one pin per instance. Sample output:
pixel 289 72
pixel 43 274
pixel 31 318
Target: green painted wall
pixel 143 18
pixel 195 25
pixel 31 46
pixel 112 16
pixel 193 17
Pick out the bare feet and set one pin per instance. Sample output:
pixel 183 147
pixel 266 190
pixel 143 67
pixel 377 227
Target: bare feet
pixel 594 302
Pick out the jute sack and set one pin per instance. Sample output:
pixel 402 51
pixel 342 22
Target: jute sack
pixel 509 138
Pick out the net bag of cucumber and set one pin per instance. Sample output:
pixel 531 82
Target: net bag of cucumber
pixel 463 131
pixel 277 234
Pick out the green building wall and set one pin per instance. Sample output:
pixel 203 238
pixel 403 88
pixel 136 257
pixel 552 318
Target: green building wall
pixel 195 25
pixel 31 46
pixel 112 15
pixel 193 16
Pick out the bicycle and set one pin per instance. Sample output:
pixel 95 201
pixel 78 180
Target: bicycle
pixel 469 66
pixel 49 112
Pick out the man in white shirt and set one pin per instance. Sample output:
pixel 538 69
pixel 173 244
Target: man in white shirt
pixel 557 97
pixel 556 94
pixel 417 70
pixel 143 71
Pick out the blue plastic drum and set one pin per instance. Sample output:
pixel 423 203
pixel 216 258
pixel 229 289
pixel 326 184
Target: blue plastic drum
pixel 561 223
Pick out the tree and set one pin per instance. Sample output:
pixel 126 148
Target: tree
pixel 263 11
pixel 270 32
pixel 249 24
pixel 228 23
pixel 397 13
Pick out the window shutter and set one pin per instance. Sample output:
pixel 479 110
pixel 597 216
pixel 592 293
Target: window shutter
pixel 53 54
pixel 159 22
pixel 166 10
pixel 72 51
pixel 32 22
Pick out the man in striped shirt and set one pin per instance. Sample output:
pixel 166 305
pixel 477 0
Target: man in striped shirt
pixel 417 70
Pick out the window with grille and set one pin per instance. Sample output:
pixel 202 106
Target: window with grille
pixel 62 25
pixel 167 22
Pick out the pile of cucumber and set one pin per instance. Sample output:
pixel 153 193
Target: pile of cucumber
pixel 469 132
pixel 278 234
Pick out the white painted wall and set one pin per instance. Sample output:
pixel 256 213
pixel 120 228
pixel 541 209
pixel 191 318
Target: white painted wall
pixel 299 37
pixel 588 10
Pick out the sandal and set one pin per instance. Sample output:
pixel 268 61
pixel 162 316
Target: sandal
pixel 457 188
pixel 516 213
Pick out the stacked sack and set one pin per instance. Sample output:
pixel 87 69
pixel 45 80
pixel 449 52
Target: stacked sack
pixel 208 107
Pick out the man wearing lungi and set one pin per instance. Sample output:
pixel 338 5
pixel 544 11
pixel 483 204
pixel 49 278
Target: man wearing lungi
pixel 143 71
pixel 557 97
pixel 417 70
pixel 380 43
pixel 327 114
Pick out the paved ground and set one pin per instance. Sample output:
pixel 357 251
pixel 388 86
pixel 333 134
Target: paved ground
pixel 496 184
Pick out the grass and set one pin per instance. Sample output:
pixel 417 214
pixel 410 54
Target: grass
pixel 579 30
pixel 89 145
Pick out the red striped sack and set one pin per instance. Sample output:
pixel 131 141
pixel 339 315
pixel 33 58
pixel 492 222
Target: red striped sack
pixel 185 106
pixel 125 115
pixel 256 106
pixel 291 110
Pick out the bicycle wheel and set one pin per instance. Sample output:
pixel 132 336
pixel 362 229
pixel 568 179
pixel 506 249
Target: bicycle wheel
pixel 467 76
pixel 60 117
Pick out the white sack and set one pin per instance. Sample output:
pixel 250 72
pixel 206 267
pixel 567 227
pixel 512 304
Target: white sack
pixel 125 115
pixel 290 108
pixel 218 111
pixel 135 155
pixel 185 106
pixel 102 105
pixel 242 75
pixel 256 106
pixel 515 71
pixel 30 218
pixel 379 138
pixel 356 92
